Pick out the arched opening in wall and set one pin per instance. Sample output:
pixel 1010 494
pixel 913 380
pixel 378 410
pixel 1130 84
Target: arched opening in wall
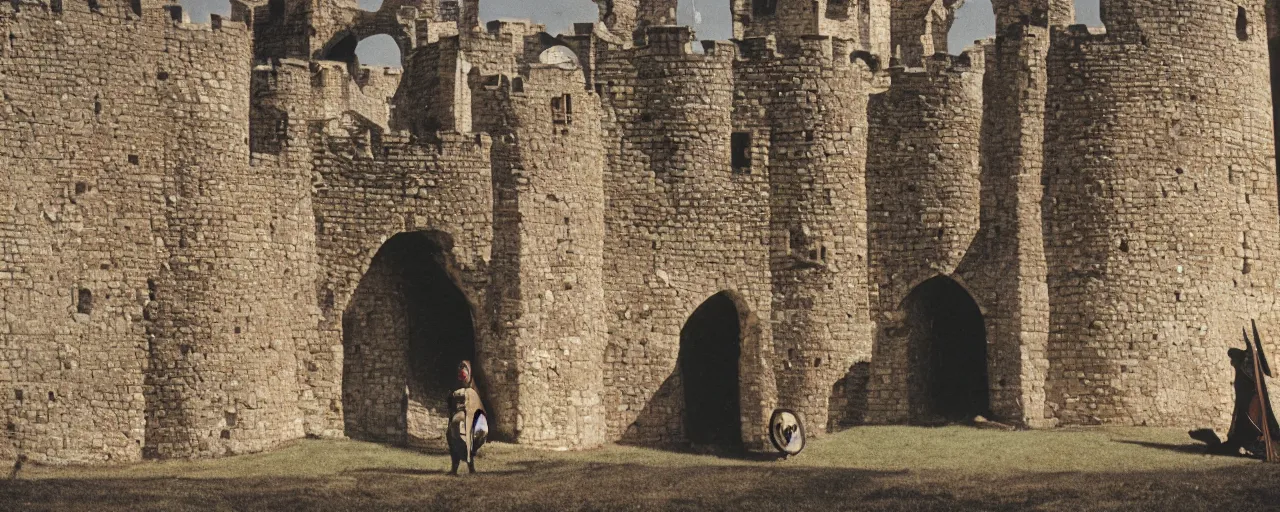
pixel 404 331
pixel 947 350
pixel 379 50
pixel 199 10
pixel 973 21
pixel 710 345
pixel 1089 12
pixel 1242 24
pixel 369 5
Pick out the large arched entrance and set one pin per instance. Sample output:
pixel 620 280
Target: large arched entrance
pixel 948 353
pixel 404 331
pixel 710 345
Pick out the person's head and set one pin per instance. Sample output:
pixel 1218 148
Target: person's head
pixel 464 373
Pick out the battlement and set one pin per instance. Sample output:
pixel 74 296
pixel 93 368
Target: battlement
pixel 972 59
pixel 675 40
pixel 130 11
pixel 833 50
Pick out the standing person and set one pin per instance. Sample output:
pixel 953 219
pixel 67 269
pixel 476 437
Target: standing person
pixel 468 426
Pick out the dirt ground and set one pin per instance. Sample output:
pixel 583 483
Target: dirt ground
pixel 871 468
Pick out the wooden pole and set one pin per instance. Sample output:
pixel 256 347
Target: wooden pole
pixel 1262 397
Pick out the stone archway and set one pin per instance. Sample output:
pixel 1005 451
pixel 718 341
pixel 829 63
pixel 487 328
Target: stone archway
pixel 947 350
pixel 404 331
pixel 710 349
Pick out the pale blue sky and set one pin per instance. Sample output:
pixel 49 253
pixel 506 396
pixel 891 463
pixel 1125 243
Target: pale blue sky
pixel 974 21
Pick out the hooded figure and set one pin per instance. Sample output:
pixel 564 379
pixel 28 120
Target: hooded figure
pixel 1243 432
pixel 467 423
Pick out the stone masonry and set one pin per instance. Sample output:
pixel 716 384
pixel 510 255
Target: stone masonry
pixel 218 238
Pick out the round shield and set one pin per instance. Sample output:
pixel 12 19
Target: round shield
pixel 786 431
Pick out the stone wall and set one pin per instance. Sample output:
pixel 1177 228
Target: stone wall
pixel 681 225
pixel 1160 222
pixel 547 295
pixel 149 298
pixel 923 201
pixel 805 113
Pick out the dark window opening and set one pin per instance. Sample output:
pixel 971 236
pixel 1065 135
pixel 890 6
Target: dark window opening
pixel 136 6
pixel 404 331
pixel 230 418
pixel 839 9
pixel 95 6
pixel 133 159
pixel 710 345
pixel 947 347
pixel 97 105
pixel 562 109
pixel 52 397
pixel 764 7
pixel 55 6
pixel 17 394
pixel 275 9
pixel 84 302
pixel 162 75
pixel 81 187
pixel 1242 24
pixel 740 146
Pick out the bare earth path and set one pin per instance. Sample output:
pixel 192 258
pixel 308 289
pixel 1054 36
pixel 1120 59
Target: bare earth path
pixel 872 468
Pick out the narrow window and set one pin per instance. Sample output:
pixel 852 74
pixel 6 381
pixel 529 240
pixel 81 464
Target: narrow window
pixel 562 109
pixel 95 6
pixel 764 7
pixel 838 9
pixel 1242 24
pixel 133 159
pixel 84 302
pixel 741 149
pixel 55 6
pixel 136 6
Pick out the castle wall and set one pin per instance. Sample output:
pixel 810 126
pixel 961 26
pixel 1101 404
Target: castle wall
pixel 680 226
pixel 1160 219
pixel 1006 270
pixel 806 113
pixel 923 201
pixel 187 348
pixel 548 223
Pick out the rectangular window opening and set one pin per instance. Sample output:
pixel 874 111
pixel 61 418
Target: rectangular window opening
pixel 741 149
pixel 764 7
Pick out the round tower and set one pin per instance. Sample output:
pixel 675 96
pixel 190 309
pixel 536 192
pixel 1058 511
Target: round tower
pixel 1160 210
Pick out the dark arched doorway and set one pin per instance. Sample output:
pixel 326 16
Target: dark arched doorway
pixel 948 351
pixel 710 344
pixel 404 331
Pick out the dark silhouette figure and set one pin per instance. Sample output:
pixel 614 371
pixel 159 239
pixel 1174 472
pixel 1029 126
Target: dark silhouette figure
pixel 1245 432
pixel 468 426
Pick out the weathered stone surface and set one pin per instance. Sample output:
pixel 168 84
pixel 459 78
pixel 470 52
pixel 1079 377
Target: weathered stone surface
pixel 214 239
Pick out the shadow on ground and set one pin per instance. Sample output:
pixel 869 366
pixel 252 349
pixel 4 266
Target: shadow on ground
pixel 562 485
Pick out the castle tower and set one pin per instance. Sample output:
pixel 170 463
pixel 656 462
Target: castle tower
pixel 863 21
pixel 686 249
pixel 1160 212
pixel 923 202
pixel 548 330
pixel 802 113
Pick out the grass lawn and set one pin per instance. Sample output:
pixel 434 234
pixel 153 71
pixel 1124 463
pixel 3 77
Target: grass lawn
pixel 869 468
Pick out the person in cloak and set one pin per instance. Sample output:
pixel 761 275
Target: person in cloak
pixel 468 426
pixel 1243 433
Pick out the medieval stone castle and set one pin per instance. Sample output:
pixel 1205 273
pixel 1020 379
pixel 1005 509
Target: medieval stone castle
pixel 215 238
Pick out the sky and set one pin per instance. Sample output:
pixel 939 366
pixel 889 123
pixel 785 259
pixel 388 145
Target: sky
pixel 974 20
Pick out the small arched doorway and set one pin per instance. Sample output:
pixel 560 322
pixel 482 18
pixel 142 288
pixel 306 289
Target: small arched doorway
pixel 407 326
pixel 947 346
pixel 710 346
